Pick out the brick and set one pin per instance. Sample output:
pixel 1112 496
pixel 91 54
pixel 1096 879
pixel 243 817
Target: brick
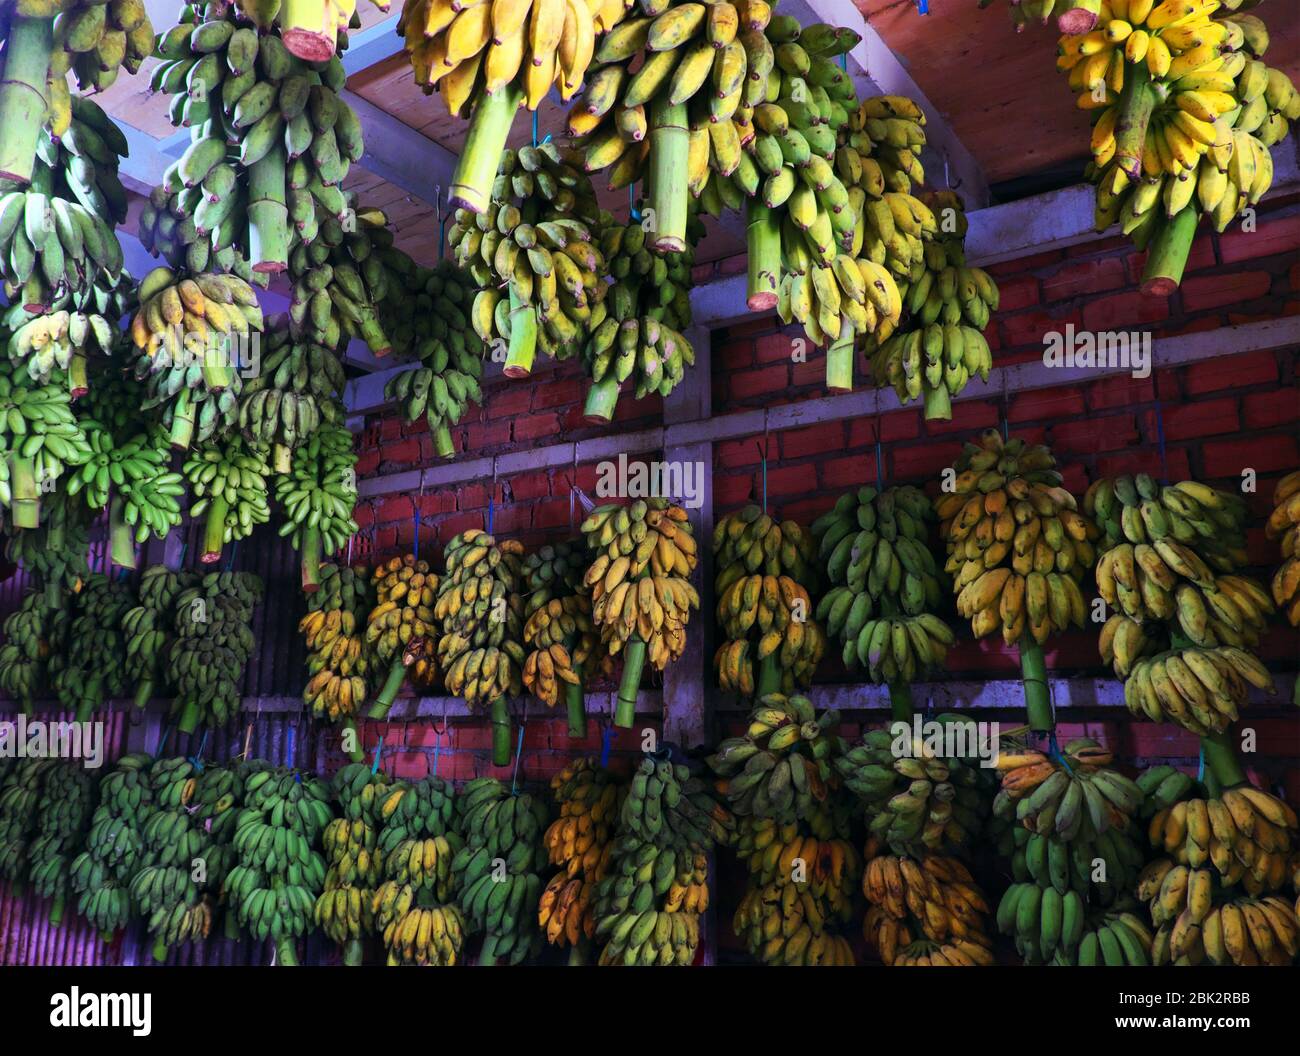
pixel 479 435
pixel 732 490
pixel 812 371
pixel 1144 460
pixel 1122 310
pixel 752 328
pixel 1092 435
pixel 553 513
pixel 785 480
pixel 528 486
pixel 734 265
pixel 807 510
pixel 364 515
pixel 1265 454
pixel 434 503
pixel 1273 235
pixel 1018 292
pixel 390 428
pixel 509 400
pixel 629 410
pixel 1084 277
pixel 401 451
pixel 814 440
pixel 759 382
pixel 967 416
pixel 1253 368
pixel 773 348
pixel 901 425
pixel 453 525
pixel 701 273
pixel 1024 264
pixel 845 472
pixel 472 496
pixel 1113 244
pixel 919 461
pixel 512 519
pixel 735 453
pixel 1122 390
pixel 394 508
pixel 1028 328
pixel 530 427
pixel 367 462
pixel 1064 402
pixel 558 393
pixel 1204 293
pixel 1263 410
pixel 1202 418
pixel 416 428
pixel 736 355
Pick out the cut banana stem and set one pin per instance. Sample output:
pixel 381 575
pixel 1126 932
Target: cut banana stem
pixel 56 910
pixel 24 72
pixel 633 662
pixel 286 953
pixel 1135 108
pixel 938 404
pixel 900 701
pixel 392 684
pixel 602 398
pixel 214 530
pixel 352 951
pixel 763 241
pixel 182 430
pixel 769 676
pixel 25 492
pixel 160 951
pixel 1033 671
pixel 268 214
pixel 121 536
pixel 442 441
pixel 1079 17
pixel 189 720
pixel 310 560
pixel 232 926
pixel 488 954
pixel 78 382
pixel 1221 760
pixel 307 29
pixel 143 694
pixel 471 183
pixel 839 361
pixel 500 713
pixel 217 374
pixel 281 459
pixel 1168 254
pixel 669 153
pixel 576 706
pixel 357 753
pixel 523 337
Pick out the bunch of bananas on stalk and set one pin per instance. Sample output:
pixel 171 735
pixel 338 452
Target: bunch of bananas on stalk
pixel 1248 932
pixel 297 389
pixel 780 768
pixel 1185 115
pixel 647 311
pixel 147 627
pixel 168 228
pixel 280 874
pixel 164 888
pixel 481 612
pixel 216 804
pixel 1284 524
pixel 644 553
pixel 20 797
pixel 39 438
pixel 916 799
pixel 25 656
pixel 227 478
pixel 432 312
pixel 345 909
pixel 62 821
pixel 213 643
pixel 925 910
pixel 190 337
pixel 312 32
pixel 90 666
pixel 580 842
pixel 1048 860
pixel 60 341
pixel 93 41
pixel 1017 546
pixel 559 636
pixel 1138 510
pixel 658 867
pixel 56 552
pixel 884 583
pixel 101 874
pixel 783 924
pixel 318 495
pixel 765 568
pixel 338 660
pixel 534 255
pixel 400 628
pixel 941 344
pixel 420 921
pixel 501 826
pixel 1076 797
pixel 1199 689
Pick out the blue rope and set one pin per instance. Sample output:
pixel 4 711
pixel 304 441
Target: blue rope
pixel 230 560
pixel 1160 439
pixel 606 743
pixel 880 464
pixel 762 454
pixel 519 751
pixel 379 751
pixel 415 517
pixel 1200 766
pixel 633 211
pixel 437 750
pixel 923 6
pixel 491 510
pixel 535 128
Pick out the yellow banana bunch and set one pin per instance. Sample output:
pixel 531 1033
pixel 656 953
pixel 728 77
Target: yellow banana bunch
pixel 337 658
pixel 561 640
pixel 924 910
pixel 1246 834
pixel 423 935
pixel 310 30
pixel 1248 932
pixel 345 909
pixel 1081 800
pixel 405 590
pixel 1199 689
pixel 1284 524
pixel 1017 545
pixel 814 854
pixel 785 924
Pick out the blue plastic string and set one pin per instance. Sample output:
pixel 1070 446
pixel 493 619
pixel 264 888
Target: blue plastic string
pixel 230 559
pixel 633 211
pixel 415 519
pixel 519 751
pixel 534 128
pixel 1054 752
pixel 491 510
pixel 1160 439
pixel 923 6
pixel 196 760
pixel 379 751
pixel 762 454
pixel 291 743
pixel 1200 765
pixel 606 743
pixel 437 750
pixel 162 739
pixel 880 464
pixel 844 59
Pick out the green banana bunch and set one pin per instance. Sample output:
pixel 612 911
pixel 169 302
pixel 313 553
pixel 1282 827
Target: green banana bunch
pixel 537 239
pixel 168 228
pixel 1048 925
pixel 338 659
pixel 227 478
pixel 345 909
pixel 213 642
pixel 20 798
pixel 414 907
pixel 217 804
pixel 39 439
pixel 298 386
pixel 318 495
pixel 1162 786
pixel 25 656
pixel 1047 861
pixel 500 826
pixel 84 160
pixel 94 41
pixel 669 822
pixel 56 552
pixel 62 822
pixel 917 801
pixel 89 668
pixel 60 341
pixel 273 889
pixel 886 586
pixel 147 628
pixel 101 874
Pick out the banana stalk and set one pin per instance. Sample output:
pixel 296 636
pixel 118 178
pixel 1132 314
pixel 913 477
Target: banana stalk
pixel 839 361
pixel 471 183
pixel 352 953
pixel 669 154
pixel 286 953
pixel 1136 105
pixel 392 684
pixel 160 951
pixel 143 693
pixel 78 380
pixel 182 430
pixel 900 701
pixel 56 910
pixel 189 720
pixel 442 441
pixel 1168 254
pixel 121 536
pixel 268 215
pixel 500 713
pixel 763 241
pixel 353 736
pixel 26 492
pixel 938 404
pixel 1221 761
pixel 24 72
pixel 1033 671
pixel 307 29
pixel 214 529
pixel 576 706
pixel 602 397
pixel 633 662
pixel 769 677
pixel 523 337
pixel 310 560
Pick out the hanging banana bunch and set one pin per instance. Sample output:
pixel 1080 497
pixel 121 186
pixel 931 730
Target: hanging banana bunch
pixel 640 587
pixel 25 656
pixel 319 494
pixel 39 439
pixel 274 888
pixel 148 630
pixel 298 387
pixel 649 903
pixel 213 643
pixel 481 610
pixel 488 58
pixel 400 629
pixel 500 826
pixel 433 326
pixel 217 804
pixel 345 909
pixel 647 311
pixel 101 874
pixel 62 822
pixel 311 29
pixel 536 238
pixel 764 569
pixel 56 552
pixel 227 478
pixel 338 659
pixel 580 842
pixel 191 336
pixel 1284 524
pixel 416 908
pixel 89 668
pixel 20 797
